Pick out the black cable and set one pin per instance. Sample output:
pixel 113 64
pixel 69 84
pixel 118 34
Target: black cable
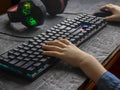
pixel 15 35
pixel 32 37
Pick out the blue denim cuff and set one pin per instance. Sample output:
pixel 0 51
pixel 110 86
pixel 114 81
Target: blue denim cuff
pixel 108 81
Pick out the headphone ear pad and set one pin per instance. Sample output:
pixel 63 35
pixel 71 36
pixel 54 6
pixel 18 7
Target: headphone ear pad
pixel 55 6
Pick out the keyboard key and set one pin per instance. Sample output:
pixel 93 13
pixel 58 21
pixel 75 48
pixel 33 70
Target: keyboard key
pixel 14 61
pixel 31 68
pixel 27 64
pixel 20 63
pixel 37 64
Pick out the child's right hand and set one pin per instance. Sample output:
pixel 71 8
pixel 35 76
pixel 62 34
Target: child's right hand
pixel 69 53
pixel 115 9
pixel 66 51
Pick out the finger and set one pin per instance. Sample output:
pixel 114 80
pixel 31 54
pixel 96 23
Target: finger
pixel 65 41
pixel 52 48
pixel 112 18
pixel 56 43
pixel 52 53
pixel 108 7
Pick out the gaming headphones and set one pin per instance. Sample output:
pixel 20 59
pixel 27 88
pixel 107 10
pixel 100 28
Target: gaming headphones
pixel 32 13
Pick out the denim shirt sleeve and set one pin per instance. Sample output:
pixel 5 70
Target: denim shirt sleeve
pixel 108 81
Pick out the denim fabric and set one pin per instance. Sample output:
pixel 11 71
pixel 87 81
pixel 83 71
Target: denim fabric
pixel 108 81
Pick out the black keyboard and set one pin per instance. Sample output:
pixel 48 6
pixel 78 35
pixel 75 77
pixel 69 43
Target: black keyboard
pixel 27 60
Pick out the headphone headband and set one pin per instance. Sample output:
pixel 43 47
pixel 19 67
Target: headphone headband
pixel 55 6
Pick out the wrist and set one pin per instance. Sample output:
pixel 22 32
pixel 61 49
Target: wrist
pixel 86 59
pixel 92 68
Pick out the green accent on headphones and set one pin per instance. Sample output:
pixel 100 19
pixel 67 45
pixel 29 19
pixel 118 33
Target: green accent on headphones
pixel 26 8
pixel 27 5
pixel 31 21
pixel 26 12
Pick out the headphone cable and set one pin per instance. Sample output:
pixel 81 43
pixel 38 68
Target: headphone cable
pixel 15 35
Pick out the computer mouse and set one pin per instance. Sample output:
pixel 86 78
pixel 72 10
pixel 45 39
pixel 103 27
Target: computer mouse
pixel 103 13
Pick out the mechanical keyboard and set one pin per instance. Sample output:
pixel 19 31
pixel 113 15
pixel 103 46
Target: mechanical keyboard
pixel 26 59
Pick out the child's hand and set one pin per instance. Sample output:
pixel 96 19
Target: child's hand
pixel 69 53
pixel 114 9
pixel 66 51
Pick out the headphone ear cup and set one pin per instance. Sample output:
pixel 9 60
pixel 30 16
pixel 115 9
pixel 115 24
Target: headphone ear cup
pixel 30 13
pixel 36 16
pixel 55 6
